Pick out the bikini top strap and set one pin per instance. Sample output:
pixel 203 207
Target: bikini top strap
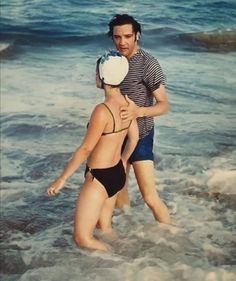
pixel 126 128
pixel 114 125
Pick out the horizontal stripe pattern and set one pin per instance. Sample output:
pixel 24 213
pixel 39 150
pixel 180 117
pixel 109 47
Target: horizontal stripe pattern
pixel 145 76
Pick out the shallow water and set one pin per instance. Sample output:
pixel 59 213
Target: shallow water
pixel 48 55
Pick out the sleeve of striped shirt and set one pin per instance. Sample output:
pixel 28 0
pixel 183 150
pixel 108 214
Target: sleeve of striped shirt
pixel 153 75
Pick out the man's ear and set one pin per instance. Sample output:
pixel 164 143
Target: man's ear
pixel 138 35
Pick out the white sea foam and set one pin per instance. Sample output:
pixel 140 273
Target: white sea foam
pixel 222 181
pixel 4 46
pixel 11 195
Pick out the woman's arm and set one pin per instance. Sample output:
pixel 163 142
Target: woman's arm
pixel 133 137
pixel 95 129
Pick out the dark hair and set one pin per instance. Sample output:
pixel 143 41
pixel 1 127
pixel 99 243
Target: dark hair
pixel 121 20
pixel 97 71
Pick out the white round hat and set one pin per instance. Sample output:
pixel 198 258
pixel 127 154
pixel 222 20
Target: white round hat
pixel 113 67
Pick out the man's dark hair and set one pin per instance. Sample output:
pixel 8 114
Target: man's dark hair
pixel 121 20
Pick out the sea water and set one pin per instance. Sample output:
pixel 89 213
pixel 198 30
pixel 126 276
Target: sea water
pixel 48 51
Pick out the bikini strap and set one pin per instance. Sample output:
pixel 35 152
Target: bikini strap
pixel 126 128
pixel 114 125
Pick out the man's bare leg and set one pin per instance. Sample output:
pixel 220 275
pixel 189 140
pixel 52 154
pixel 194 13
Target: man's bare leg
pixel 144 172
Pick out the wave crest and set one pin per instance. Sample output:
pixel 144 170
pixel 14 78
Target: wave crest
pixel 216 40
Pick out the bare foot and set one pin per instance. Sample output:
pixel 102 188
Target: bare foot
pixel 92 243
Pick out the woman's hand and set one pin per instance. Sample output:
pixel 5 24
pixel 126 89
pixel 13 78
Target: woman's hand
pixel 56 186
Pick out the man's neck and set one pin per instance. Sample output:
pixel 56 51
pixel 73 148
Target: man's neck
pixel 135 51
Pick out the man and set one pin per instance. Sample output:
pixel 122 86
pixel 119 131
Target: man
pixel 144 84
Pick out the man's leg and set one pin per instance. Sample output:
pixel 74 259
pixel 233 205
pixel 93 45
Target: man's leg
pixel 144 172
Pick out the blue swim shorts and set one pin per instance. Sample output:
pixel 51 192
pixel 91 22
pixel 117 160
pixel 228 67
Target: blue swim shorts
pixel 144 149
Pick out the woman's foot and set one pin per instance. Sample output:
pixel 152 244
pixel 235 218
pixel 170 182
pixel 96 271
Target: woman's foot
pixel 91 243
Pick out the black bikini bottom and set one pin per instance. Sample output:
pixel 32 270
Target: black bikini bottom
pixel 112 178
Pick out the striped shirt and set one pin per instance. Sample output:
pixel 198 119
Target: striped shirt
pixel 145 76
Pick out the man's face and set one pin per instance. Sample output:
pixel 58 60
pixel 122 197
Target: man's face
pixel 125 40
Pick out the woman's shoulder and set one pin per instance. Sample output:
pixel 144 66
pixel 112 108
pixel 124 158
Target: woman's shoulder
pixel 99 111
pixel 100 108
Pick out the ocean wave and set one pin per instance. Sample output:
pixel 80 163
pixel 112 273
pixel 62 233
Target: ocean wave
pixel 6 50
pixel 14 44
pixel 219 40
pixel 216 40
pixel 32 38
pixel 16 117
pixel 222 181
pixel 37 170
pixel 4 46
pixel 23 130
pixel 32 131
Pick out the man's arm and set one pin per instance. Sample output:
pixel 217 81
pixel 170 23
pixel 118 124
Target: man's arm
pixel 160 107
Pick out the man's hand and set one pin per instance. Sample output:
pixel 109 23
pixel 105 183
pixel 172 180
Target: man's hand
pixel 129 112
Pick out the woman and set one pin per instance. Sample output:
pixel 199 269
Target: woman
pixel 105 171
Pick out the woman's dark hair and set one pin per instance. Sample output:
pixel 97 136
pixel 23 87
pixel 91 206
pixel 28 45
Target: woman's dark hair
pixel 97 71
pixel 121 20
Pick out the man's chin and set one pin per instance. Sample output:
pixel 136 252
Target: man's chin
pixel 124 52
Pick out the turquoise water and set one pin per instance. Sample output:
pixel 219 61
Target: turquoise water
pixel 48 52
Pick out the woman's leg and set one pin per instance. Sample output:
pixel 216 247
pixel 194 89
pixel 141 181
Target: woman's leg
pixel 105 219
pixel 88 208
pixel 123 200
